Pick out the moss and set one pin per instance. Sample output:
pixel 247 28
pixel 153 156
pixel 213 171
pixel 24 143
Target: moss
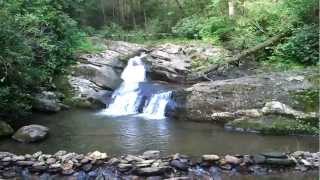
pixel 276 125
pixel 307 100
pixel 63 86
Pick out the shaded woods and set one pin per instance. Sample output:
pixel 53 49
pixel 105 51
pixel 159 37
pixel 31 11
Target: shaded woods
pixel 39 39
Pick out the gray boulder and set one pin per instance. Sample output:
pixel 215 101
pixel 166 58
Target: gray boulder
pixel 31 133
pixel 5 129
pixel 46 101
pixel 105 77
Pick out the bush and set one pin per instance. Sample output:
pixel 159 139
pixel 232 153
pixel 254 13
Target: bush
pixel 189 27
pixel 302 47
pixel 37 41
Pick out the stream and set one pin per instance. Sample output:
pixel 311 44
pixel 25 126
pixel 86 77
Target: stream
pixel 83 131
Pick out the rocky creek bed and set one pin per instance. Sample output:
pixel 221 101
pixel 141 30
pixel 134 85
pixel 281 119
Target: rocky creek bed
pixel 151 165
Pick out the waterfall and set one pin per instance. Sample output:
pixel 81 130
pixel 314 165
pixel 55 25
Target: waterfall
pixel 134 98
pixel 157 105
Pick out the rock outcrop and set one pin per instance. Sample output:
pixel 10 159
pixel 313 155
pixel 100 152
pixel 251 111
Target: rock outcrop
pixel 222 100
pixel 97 75
pixel 31 133
pixel 173 63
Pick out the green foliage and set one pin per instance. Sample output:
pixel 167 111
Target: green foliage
pixel 37 41
pixel 301 47
pixel 189 27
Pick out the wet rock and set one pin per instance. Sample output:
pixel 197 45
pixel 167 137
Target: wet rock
pixel 31 133
pixel 131 158
pixel 275 155
pixel 150 171
pixel 232 160
pixel 39 166
pixel 46 101
pixel 24 163
pixel 60 153
pixel 51 161
pixel 124 167
pixel 259 159
pixel 306 163
pixel 183 166
pixel 151 155
pixel 18 158
pixel 87 167
pixel 85 161
pixel 96 155
pixel 280 162
pixel 5 129
pixel 210 157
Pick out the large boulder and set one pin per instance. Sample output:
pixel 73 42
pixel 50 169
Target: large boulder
pixel 173 63
pixel 31 133
pixel 105 77
pixel 87 94
pixel 46 101
pixel 205 100
pixel 5 129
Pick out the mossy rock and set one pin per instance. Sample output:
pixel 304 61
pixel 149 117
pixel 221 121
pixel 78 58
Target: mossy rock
pixel 275 125
pixel 5 129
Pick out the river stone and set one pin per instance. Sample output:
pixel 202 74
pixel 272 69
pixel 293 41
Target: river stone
pixel 5 129
pixel 31 133
pixel 183 166
pixel 86 167
pixel 232 160
pixel 259 159
pixel 280 162
pixel 275 155
pixel 124 167
pixel 96 155
pixel 210 157
pixel 151 154
pixel 24 163
pixel 150 171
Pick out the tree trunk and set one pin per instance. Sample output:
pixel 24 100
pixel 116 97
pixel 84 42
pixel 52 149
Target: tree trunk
pixel 232 4
pixel 273 40
pixel 180 6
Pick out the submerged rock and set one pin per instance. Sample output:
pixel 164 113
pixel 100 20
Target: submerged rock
pixel 31 133
pixel 5 129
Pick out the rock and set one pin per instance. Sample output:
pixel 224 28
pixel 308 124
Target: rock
pixel 280 162
pixel 46 101
pixel 96 155
pixel 151 155
pixel 60 153
pixel 104 77
pixel 275 155
pixel 31 133
pixel 39 166
pixel 86 167
pixel 124 167
pixel 87 94
pixel 210 157
pixel 51 161
pixel 232 160
pixel 24 163
pixel 259 159
pixel 306 163
pixel 205 100
pixel 5 129
pixel 183 166
pixel 131 158
pixel 149 171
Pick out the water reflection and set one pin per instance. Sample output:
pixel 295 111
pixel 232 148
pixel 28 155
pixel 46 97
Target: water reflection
pixel 84 131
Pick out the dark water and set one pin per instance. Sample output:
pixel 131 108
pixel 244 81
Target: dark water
pixel 83 131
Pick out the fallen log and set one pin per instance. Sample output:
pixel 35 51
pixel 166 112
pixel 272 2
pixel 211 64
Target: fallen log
pixel 235 59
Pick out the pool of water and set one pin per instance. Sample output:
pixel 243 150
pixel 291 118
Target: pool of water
pixel 83 131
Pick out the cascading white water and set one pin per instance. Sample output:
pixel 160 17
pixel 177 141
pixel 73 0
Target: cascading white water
pixel 129 97
pixel 156 107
